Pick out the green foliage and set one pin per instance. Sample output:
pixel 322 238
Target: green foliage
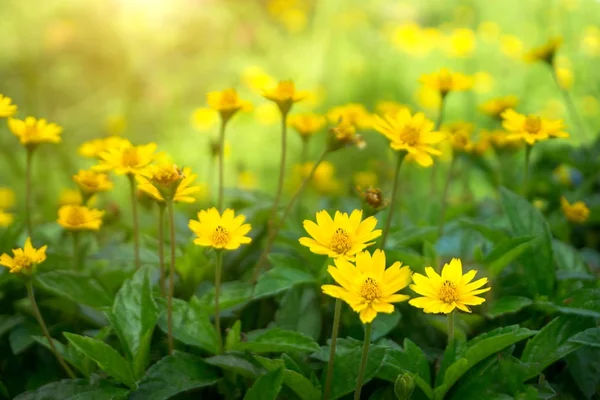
pixel 267 386
pixel 278 340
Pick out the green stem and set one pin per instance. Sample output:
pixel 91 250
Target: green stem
pixel 334 334
pixel 28 163
pixel 363 362
pixel 136 225
pixel 450 327
pixel 304 153
pixel 161 247
pixel 569 102
pixel 217 292
pixel 525 189
pixel 281 170
pixel 435 167
pixel 76 250
pixel 171 276
pixel 392 205
pixel 445 195
pixel 40 320
pixel 221 164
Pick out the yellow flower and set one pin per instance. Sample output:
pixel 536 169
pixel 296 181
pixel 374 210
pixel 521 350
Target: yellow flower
pixel 365 179
pixel 390 107
pixel 565 77
pixel 31 131
pixel 412 134
pixel 544 53
pixel 70 197
pixel 562 174
pixel 496 106
pixel 267 114
pixel 461 43
pixel 577 212
pixel 459 133
pixel 343 134
pixel 204 119
pixel 323 181
pixel 442 294
pixel 307 124
pixel 220 231
pixel 500 140
pixel 531 128
pixel 446 81
pixel 167 176
pixel 90 181
pixel 483 82
pixel 226 102
pixel 79 218
pixel 24 260
pixel 590 42
pixel 343 236
pixel 428 98
pixel 7 198
pixel 284 95
pixel 116 125
pixel 127 159
pixel 256 79
pixel 93 148
pixel 369 288
pixel 414 40
pixel 483 142
pixel 511 46
pixel 7 109
pixel 353 113
pixel 6 219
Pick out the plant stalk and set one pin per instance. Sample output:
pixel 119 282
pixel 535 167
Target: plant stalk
pixel 136 223
pixel 171 276
pixel 363 361
pixel 218 271
pixel 388 221
pixel 445 195
pixel 161 247
pixel 334 334
pixel 525 188
pixel 281 171
pixel 221 165
pixel 450 327
pixel 28 163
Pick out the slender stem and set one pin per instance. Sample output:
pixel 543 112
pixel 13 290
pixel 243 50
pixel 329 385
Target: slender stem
pixel 525 188
pixel 76 265
pixel 171 275
pixel 363 362
pixel 388 221
pixel 40 320
pixel 217 292
pixel 334 334
pixel 161 247
pixel 304 153
pixel 450 327
pixel 445 195
pixel 440 118
pixel 435 167
pixel 281 170
pixel 221 164
pixel 273 234
pixel 136 225
pixel 569 102
pixel 28 163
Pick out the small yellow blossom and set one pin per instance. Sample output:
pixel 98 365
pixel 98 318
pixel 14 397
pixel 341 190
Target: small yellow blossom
pixel 344 134
pixel 284 95
pixel 512 47
pixel 496 106
pixel 565 77
pixel 127 159
pixel 446 81
pixel 544 53
pixel 93 148
pixel 369 288
pixel 7 198
pixel 323 180
pixel 503 141
pixel 590 42
pixel 7 109
pixel 247 180
pixel 257 79
pixel 442 294
pixel 483 82
pixel 90 181
pixel 31 131
pixel 459 133
pixel 204 119
pixel 428 98
pixel 24 260
pixel 220 231
pixel 577 212
pixel 6 219
pixel 562 174
pixel 70 197
pixel 353 113
pixel 390 107
pixel 365 179
pixel 267 114
pixel 159 181
pixel 79 218
pixel 307 124
pixel 461 43
pixel 227 103
pixel 531 128
pixel 415 40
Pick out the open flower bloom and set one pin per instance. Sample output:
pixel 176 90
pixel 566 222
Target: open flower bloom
pixel 7 197
pixel 344 134
pixel 544 53
pixel 127 159
pixel 442 294
pixel 501 141
pixel 6 219
pixel 220 231
pixel 460 135
pixel 160 180
pixel 79 218
pixel 531 128
pixel 93 148
pixel 285 95
pixel 226 102
pixel 577 212
pixel 307 124
pixel 24 260
pixel 91 182
pixel 354 113
pixel 7 109
pixel 343 236
pixel 390 107
pixel 412 133
pixel 446 81
pixel 496 106
pixel 31 131
pixel 369 288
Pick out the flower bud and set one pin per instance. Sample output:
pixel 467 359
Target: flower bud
pixel 404 386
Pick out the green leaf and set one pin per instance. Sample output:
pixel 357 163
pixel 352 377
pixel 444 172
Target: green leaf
pixel 300 311
pixel 478 349
pixel 75 286
pixel 507 305
pixel 506 251
pixel 552 343
pixel 412 235
pixel 75 389
pixel 267 386
pixel 297 382
pixel 233 294
pixel 584 368
pixel 8 322
pixel 582 302
pixel 69 353
pixel 277 341
pixel 410 358
pixel 589 337
pixel 233 336
pixel 105 356
pixel 133 317
pixel 177 373
pixel 191 324
pixel 384 324
pixel 279 279
pixel 537 259
pixel 236 364
pixel 568 258
pixel 493 234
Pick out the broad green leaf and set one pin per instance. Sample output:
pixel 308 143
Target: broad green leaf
pixel 277 341
pixel 568 259
pixel 384 324
pixel 297 382
pixel 75 389
pixel 105 356
pixel 233 336
pixel 552 343
pixel 177 373
pixel 589 337
pixel 491 233
pixel 233 294
pixel 236 364
pixel 133 317
pixel 412 235
pixel 21 337
pixel 582 302
pixel 267 386
pixel 506 251
pixel 537 259
pixel 279 279
pixel 7 322
pixel 584 368
pixel 191 324
pixel 300 311
pixel 478 349
pixel 69 353
pixel 507 305
pixel 124 252
pixel 409 358
pixel 75 286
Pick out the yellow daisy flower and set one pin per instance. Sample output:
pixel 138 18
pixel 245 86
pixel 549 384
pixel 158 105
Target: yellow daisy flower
pixel 369 288
pixel 353 113
pixel 284 95
pixel 577 212
pixel 70 197
pixel 390 107
pixel 501 141
pixel 93 148
pixel 220 231
pixel 24 260
pixel 158 181
pixel 31 131
pixel 127 159
pixel 459 135
pixel 204 119
pixel 343 236
pixel 446 81
pixel 544 53
pixel 256 78
pixel 79 218
pixel 442 294
pixel 90 181
pixel 307 124
pixel 7 198
pixel 7 109
pixel 226 102
pixel 496 106
pixel 412 133
pixel 6 219
pixel 343 134
pixel 531 128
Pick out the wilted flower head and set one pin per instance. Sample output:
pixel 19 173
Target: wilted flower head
pixel 7 109
pixel 79 218
pixel 446 81
pixel 373 197
pixel 496 106
pixel 531 128
pixel 544 53
pixel 577 212
pixel 24 260
pixel 32 132
pixel 284 95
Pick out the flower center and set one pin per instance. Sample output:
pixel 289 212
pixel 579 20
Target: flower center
pixel 229 99
pixel 340 241
pixel 533 124
pixel 448 292
pixel 286 90
pixel 23 261
pixel 130 157
pixel 409 135
pixel 445 82
pixel 76 217
pixel 164 176
pixel 220 236
pixel 370 290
